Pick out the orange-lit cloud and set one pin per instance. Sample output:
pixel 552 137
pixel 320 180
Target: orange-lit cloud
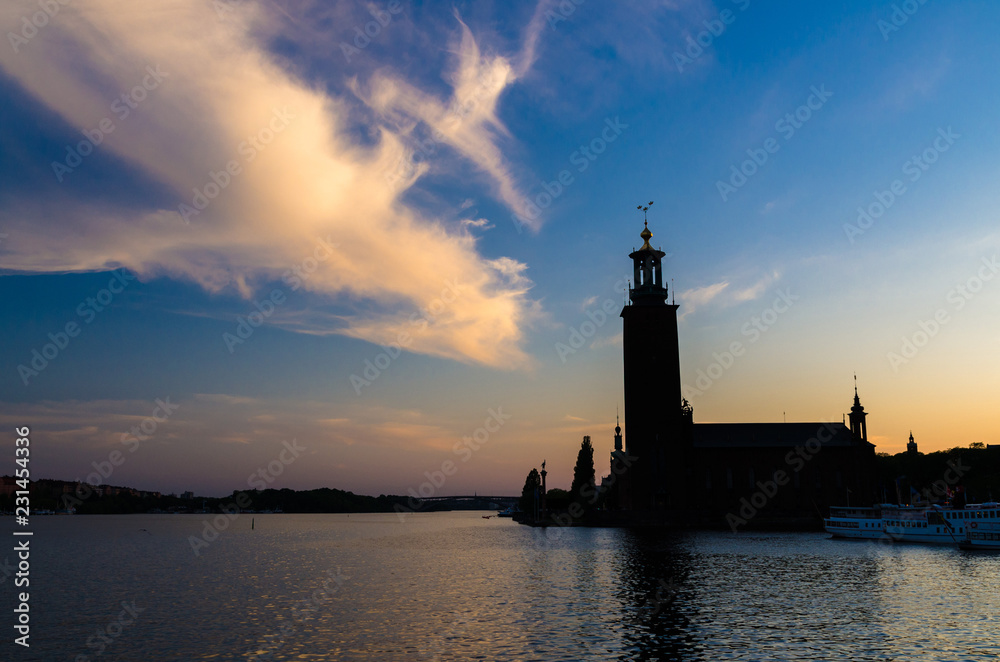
pixel 296 175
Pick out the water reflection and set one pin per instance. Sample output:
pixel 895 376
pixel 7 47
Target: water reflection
pixel 653 592
pixel 453 587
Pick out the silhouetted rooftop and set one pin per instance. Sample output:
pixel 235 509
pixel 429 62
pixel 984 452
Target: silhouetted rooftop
pixel 754 435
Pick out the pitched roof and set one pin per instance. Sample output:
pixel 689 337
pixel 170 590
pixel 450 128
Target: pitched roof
pixel 764 435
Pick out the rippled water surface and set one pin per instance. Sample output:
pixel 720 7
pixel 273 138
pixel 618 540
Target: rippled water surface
pixel 455 586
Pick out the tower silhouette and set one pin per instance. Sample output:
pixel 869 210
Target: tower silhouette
pixel 652 385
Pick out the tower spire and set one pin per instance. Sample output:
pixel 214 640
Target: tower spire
pixel 618 433
pixel 859 428
pixel 647 283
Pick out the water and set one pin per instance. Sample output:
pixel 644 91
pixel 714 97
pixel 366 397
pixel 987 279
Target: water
pixel 455 586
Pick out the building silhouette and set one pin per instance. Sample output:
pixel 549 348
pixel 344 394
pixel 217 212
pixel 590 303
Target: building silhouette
pixel 672 470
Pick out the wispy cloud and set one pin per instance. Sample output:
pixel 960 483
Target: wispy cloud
pixel 700 296
pixel 755 289
pixel 314 179
pixel 725 293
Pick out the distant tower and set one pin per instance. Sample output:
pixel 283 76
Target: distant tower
pixel 652 385
pixel 618 435
pixel 911 446
pixel 859 429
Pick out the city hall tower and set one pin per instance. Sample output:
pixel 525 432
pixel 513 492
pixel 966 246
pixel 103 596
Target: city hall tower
pixel 654 429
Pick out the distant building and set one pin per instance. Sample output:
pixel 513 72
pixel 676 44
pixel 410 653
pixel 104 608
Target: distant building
pixel 675 470
pixel 187 495
pixel 911 446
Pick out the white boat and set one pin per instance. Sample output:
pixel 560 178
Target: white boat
pixel 859 523
pixel 939 525
pixel 936 524
pixel 982 535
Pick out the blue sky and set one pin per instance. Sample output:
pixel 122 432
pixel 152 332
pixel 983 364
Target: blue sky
pixel 463 183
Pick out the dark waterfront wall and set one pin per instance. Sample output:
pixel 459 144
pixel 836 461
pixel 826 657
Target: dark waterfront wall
pixel 768 474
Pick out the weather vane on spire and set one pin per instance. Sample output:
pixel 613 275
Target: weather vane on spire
pixel 644 210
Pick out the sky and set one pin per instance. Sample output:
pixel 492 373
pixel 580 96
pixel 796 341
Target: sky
pixel 382 246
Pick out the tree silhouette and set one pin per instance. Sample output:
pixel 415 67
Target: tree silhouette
pixel 583 490
pixel 531 485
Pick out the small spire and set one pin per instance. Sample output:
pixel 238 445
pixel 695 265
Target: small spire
pixel 645 234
